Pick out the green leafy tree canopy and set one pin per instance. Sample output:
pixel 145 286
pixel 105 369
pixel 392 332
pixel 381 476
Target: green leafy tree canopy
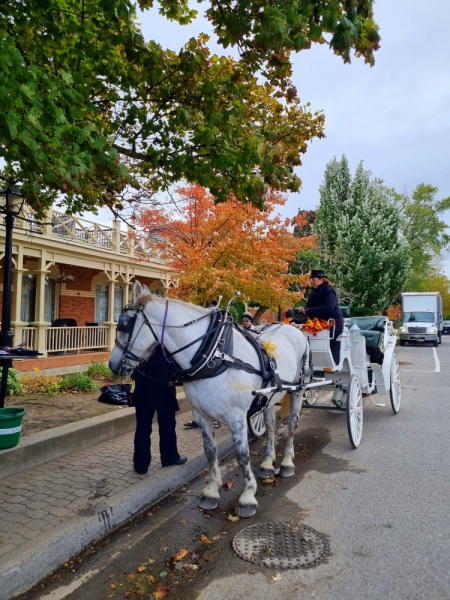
pixel 358 224
pixel 87 106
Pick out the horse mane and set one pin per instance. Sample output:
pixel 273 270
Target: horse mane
pixel 144 299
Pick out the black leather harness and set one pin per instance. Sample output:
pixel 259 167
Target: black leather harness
pixel 215 354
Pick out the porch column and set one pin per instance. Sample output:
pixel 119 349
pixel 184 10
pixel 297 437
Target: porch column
pixel 40 323
pixel 111 335
pixel 16 322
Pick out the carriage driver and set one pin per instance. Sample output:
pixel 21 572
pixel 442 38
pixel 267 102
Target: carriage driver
pixel 323 303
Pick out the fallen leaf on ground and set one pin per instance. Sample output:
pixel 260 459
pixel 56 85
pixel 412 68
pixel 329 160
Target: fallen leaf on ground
pixel 251 572
pixel 149 514
pixel 253 453
pixel 181 554
pixel 279 454
pixel 268 480
pixel 277 577
pixel 188 491
pixel 228 484
pixel 233 519
pixel 61 520
pixel 184 521
pixel 55 577
pixel 112 576
pixel 205 540
pixel 194 567
pixel 316 437
pixel 110 596
pixel 113 586
pixel 208 558
pixel 163 574
pixel 141 569
pixel 127 594
pixel 161 591
pixel 132 576
pixel 92 466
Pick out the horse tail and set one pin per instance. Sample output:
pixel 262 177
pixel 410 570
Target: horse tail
pixel 307 365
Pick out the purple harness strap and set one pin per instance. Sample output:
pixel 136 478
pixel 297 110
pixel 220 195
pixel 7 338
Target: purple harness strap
pixel 162 335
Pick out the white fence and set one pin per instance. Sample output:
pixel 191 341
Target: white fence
pixel 76 338
pixel 29 337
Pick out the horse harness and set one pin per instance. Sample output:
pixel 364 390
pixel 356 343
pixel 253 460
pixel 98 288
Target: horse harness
pixel 215 354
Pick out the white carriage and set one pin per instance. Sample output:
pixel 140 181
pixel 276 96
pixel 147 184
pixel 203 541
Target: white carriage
pixel 355 377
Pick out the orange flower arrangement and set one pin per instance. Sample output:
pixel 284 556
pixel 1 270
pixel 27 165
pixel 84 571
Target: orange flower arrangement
pixel 315 325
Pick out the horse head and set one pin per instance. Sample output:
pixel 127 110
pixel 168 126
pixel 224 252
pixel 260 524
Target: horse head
pixel 136 339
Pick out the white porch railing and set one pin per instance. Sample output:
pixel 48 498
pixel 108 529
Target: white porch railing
pixel 29 337
pixel 60 339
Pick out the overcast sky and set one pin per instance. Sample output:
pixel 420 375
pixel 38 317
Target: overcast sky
pixel 394 116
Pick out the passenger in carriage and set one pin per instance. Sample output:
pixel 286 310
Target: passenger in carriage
pixel 247 320
pixel 323 303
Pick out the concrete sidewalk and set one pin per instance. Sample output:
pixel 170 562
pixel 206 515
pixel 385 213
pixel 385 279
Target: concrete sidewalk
pixel 51 512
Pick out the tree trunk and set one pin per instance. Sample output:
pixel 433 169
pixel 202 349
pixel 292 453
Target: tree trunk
pixel 258 314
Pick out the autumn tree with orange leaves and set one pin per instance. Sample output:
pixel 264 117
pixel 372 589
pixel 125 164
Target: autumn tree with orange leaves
pixel 217 249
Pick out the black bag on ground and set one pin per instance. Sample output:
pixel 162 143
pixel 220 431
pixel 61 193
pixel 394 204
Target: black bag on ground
pixel 116 393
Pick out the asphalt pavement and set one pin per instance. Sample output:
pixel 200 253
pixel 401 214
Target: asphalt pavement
pixel 383 508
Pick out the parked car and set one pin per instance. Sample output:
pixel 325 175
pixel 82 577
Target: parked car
pixel 445 326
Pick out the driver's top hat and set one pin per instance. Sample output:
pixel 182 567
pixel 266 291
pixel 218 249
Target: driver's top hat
pixel 318 273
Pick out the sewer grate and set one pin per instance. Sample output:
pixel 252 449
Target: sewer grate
pixel 281 545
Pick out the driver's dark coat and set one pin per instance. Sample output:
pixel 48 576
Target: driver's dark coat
pixel 323 303
pixel 152 386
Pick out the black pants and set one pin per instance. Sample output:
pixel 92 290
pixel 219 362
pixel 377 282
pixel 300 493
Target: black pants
pixel 335 346
pixel 167 436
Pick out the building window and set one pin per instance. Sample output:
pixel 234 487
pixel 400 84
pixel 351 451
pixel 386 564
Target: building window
pixel 159 293
pixel 101 303
pixel 28 298
pixel 49 300
pixel 118 302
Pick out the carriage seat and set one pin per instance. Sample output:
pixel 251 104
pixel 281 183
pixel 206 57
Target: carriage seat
pixel 372 328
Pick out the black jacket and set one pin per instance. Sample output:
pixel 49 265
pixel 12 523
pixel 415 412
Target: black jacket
pixel 152 379
pixel 323 303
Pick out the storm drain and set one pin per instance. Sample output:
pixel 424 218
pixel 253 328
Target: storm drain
pixel 281 545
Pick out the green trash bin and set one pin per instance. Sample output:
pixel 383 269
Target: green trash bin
pixel 10 426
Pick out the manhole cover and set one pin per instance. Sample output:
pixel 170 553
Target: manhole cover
pixel 281 545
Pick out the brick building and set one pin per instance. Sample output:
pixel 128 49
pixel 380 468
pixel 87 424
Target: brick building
pixel 76 270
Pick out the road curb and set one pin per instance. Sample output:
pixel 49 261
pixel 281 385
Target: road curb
pixel 44 554
pixel 41 447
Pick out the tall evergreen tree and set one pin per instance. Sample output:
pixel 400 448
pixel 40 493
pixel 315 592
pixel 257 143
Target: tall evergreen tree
pixel 358 223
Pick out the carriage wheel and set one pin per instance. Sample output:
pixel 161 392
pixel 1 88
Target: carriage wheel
pixel 256 424
pixel 354 411
pixel 311 396
pixel 395 390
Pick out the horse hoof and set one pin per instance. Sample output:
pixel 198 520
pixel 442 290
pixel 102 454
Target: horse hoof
pixel 287 472
pixel 208 503
pixel 245 511
pixel 266 473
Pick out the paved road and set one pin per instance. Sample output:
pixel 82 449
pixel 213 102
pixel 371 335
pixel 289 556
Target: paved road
pixel 383 507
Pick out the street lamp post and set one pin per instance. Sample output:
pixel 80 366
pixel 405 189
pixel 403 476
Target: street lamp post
pixel 11 202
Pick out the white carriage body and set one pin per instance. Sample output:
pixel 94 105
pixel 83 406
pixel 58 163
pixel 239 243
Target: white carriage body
pixel 354 360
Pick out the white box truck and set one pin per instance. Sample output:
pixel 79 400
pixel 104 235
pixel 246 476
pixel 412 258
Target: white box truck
pixel 421 318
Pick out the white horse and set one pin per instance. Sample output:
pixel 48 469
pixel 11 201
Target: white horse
pixel 225 398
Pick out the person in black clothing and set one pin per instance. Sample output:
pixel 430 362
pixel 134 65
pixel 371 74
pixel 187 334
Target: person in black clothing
pixel 152 392
pixel 323 303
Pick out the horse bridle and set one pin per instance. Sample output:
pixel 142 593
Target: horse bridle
pixel 127 323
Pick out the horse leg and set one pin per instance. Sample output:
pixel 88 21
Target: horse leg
pixel 210 493
pixel 247 502
pixel 267 467
pixel 287 464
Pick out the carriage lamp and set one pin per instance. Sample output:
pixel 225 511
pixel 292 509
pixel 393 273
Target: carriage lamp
pixel 355 335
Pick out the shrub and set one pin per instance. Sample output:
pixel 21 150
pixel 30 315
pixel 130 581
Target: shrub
pixel 77 381
pixel 99 369
pixel 41 384
pixel 13 385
